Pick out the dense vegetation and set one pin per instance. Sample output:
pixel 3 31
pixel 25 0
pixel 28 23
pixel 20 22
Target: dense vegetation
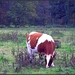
pixel 24 13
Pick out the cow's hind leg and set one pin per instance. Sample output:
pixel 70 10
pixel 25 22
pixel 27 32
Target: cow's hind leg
pixel 48 61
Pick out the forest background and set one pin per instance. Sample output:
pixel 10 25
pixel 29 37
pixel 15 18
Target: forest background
pixel 22 13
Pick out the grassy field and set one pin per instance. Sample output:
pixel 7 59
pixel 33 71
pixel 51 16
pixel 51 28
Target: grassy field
pixel 13 39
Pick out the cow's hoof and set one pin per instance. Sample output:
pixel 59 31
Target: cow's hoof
pixel 47 66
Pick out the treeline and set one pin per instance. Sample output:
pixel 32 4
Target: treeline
pixel 14 13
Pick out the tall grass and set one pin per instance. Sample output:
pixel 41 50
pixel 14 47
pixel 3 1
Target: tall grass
pixel 13 40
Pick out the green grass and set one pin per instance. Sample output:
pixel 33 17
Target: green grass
pixel 6 47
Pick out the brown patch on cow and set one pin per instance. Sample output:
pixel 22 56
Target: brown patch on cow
pixel 46 47
pixel 33 39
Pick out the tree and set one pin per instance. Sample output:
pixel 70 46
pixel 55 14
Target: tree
pixel 43 12
pixel 3 13
pixel 21 12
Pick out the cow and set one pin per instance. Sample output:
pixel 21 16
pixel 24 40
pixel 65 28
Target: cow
pixel 41 43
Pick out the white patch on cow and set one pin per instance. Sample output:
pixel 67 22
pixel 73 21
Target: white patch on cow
pixel 43 38
pixel 28 47
pixel 48 57
pixel 33 33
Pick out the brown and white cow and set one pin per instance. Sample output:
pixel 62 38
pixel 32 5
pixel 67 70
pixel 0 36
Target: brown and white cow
pixel 43 44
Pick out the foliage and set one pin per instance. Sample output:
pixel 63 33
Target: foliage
pixel 21 13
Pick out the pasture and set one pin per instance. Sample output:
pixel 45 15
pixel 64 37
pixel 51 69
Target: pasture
pixel 12 41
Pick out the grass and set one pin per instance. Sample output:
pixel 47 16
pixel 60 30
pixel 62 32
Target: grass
pixel 7 45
